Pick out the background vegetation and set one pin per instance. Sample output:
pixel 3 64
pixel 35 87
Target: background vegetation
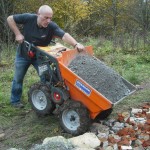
pixel 111 19
pixel 118 30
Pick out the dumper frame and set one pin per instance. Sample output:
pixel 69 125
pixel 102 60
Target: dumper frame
pixel 61 90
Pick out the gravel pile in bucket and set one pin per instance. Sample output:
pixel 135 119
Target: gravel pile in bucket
pixel 101 77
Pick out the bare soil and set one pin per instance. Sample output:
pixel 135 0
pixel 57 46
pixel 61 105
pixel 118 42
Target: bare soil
pixel 21 128
pixel 24 128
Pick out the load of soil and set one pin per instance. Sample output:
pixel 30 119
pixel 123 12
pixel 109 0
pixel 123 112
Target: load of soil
pixel 101 77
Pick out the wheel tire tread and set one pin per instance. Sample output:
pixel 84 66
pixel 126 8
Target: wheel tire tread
pixel 44 88
pixel 85 120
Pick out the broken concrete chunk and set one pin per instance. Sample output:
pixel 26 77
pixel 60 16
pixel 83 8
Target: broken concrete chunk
pixel 126 147
pixel 134 110
pixel 102 135
pixel 87 140
pixel 56 138
pixel 2 136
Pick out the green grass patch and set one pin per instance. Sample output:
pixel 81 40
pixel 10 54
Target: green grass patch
pixel 26 126
pixel 133 101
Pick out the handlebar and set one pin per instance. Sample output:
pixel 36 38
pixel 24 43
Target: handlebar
pixel 31 48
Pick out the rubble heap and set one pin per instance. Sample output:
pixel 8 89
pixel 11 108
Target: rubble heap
pixel 131 130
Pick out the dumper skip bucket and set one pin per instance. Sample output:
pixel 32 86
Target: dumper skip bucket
pixel 91 81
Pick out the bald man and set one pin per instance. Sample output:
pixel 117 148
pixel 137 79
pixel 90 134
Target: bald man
pixel 38 29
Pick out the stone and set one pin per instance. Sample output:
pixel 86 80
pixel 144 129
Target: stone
pixel 120 118
pixel 126 115
pixel 140 120
pixel 56 138
pixel 2 136
pixel 132 118
pixel 148 115
pixel 138 142
pixel 119 125
pixel 110 122
pixel 12 149
pixel 115 147
pixel 138 148
pixel 102 135
pixel 148 122
pixel 111 132
pixel 128 125
pixel 117 137
pixel 98 128
pixel 146 143
pixel 148 148
pixel 103 140
pixel 54 143
pixel 109 148
pixel 124 142
pixel 115 129
pixel 126 147
pixel 126 131
pixel 143 136
pixel 135 110
pixel 146 106
pixel 1 130
pixel 78 148
pixel 112 140
pixel 105 144
pixel 87 140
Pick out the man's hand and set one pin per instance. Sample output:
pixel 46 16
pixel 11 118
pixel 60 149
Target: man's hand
pixel 79 47
pixel 70 40
pixel 19 38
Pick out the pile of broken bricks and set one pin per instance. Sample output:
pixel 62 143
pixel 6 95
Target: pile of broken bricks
pixel 130 130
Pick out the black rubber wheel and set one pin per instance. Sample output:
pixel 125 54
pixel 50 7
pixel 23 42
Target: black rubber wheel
pixel 39 97
pixel 59 95
pixel 74 117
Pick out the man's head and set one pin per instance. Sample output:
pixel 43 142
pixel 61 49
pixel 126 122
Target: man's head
pixel 45 14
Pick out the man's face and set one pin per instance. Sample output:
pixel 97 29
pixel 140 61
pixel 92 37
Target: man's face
pixel 44 19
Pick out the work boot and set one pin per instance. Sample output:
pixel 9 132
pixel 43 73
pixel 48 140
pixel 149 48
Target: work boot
pixel 18 105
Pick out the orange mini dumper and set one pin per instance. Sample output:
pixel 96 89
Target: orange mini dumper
pixel 77 102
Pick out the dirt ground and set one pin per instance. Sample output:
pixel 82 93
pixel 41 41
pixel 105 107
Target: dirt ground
pixel 26 129
pixel 14 139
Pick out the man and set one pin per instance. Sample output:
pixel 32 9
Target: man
pixel 39 30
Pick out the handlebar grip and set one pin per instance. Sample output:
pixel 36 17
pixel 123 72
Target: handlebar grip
pixel 64 49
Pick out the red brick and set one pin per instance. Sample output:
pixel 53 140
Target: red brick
pixel 126 131
pixel 140 126
pixel 120 117
pixel 133 138
pixel 148 115
pixel 140 115
pixel 113 140
pixel 124 142
pixel 146 143
pixel 146 105
pixel 146 128
pixel 148 122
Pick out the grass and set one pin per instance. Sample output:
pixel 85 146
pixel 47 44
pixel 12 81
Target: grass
pixel 24 125
pixel 129 67
pixel 132 101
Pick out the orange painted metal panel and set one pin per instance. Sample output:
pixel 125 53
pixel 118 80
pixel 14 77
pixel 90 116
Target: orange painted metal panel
pixel 79 90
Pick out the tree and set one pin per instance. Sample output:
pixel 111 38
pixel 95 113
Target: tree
pixel 69 13
pixel 5 8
